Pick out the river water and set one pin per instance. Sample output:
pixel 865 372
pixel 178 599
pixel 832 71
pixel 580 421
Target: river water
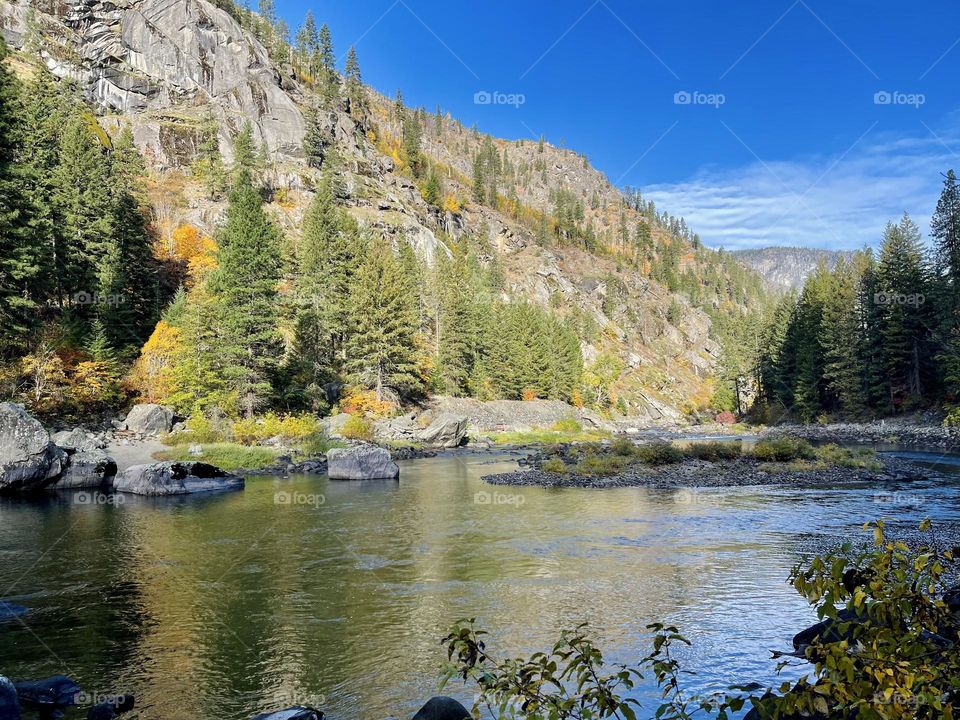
pixel 336 594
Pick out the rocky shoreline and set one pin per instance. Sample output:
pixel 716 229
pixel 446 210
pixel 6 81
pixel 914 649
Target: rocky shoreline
pixel 881 432
pixel 742 472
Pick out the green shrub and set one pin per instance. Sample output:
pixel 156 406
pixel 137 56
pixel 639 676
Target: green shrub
pixel 199 429
pixel 567 425
pixel 601 465
pixel 358 428
pixel 317 444
pixel 783 448
pixel 714 451
pixel 623 447
pixel 554 465
pixel 859 458
pixel 659 453
pixel 227 456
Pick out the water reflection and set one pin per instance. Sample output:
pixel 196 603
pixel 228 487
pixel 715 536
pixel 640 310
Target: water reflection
pixel 223 606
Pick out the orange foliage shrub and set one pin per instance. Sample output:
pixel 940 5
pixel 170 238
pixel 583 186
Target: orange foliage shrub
pixel 529 394
pixel 576 399
pixel 364 403
pixel 151 376
pixel 195 250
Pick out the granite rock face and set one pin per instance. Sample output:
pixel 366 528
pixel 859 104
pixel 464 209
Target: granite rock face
pixel 132 56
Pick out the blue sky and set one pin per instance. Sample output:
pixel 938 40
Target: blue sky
pixel 784 139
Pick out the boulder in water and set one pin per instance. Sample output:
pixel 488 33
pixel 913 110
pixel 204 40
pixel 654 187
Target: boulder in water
pixel 364 462
pixel 9 611
pixel 54 692
pixel 149 419
pixel 28 460
pixel 441 707
pixel 86 469
pixel 175 478
pixel 293 713
pixel 9 702
pixel 446 430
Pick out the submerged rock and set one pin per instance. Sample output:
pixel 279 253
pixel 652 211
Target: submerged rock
pixel 9 611
pixel 58 691
pixel 110 709
pixel 28 460
pixel 447 430
pixel 293 713
pixel 175 478
pixel 441 707
pixel 364 462
pixel 9 702
pixel 149 419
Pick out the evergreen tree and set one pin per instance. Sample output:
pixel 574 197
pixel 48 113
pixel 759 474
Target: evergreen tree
pixel 313 137
pixel 327 64
pixel 354 83
pixel 209 163
pixel 433 191
pixel 841 340
pixel 82 208
pixel 19 261
pixel 381 347
pixel 411 145
pixel 327 265
pixel 245 287
pixel 945 287
pixel 245 151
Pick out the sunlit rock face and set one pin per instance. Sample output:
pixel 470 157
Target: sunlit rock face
pixel 135 56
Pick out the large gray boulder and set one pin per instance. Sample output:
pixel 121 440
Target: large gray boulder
pixel 49 695
pixel 77 440
pixel 175 478
pixel 441 707
pixel 28 460
pixel 86 469
pixel 363 462
pixel 9 701
pixel 446 430
pixel 149 419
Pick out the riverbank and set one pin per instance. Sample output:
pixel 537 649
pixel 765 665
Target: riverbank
pixel 896 431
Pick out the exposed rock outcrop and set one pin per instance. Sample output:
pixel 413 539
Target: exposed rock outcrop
pixel 86 469
pixel 364 462
pixel 175 478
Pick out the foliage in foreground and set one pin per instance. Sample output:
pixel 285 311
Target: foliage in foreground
pixel 889 650
pixel 227 456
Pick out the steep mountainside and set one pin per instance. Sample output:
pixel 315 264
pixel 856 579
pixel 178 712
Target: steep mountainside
pixel 788 267
pixel 636 283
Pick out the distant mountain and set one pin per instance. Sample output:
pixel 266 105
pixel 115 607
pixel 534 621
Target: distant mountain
pixel 788 267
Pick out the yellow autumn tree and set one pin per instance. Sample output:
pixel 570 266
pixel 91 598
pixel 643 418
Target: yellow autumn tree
pixel 195 250
pixel 151 376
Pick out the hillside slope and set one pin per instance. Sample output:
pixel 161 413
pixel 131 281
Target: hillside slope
pixel 636 282
pixel 788 267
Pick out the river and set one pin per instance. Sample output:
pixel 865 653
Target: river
pixel 336 594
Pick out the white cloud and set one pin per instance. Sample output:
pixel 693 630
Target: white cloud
pixel 838 202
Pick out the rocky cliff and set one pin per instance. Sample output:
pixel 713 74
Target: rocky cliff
pixel 172 68
pixel 787 268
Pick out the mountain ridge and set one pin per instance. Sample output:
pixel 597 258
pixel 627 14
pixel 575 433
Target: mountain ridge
pixel 568 240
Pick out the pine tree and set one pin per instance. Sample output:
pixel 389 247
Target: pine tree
pixel 841 339
pixel 245 287
pixel 381 348
pixel 245 151
pixel 82 208
pixel 327 257
pixel 945 287
pixel 433 190
pixel 209 163
pixel 313 137
pixel 327 61
pixel 411 145
pixel 19 261
pixel 354 83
